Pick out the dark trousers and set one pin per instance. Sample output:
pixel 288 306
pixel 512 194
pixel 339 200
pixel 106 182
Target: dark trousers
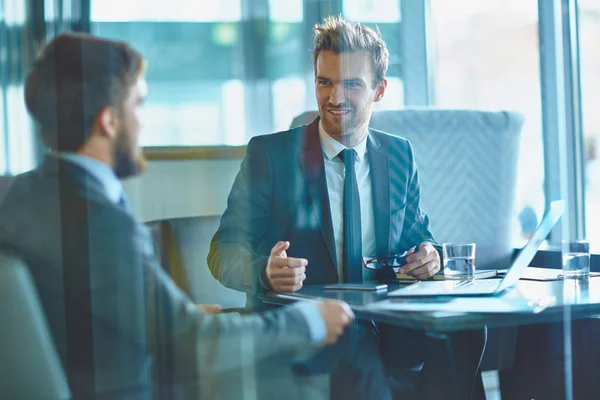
pixel 540 358
pixel 373 361
pixel 449 363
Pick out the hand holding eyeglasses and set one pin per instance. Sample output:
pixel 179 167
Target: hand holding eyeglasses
pixel 393 261
pixel 421 264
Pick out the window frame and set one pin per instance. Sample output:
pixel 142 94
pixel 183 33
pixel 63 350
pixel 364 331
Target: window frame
pixel 561 114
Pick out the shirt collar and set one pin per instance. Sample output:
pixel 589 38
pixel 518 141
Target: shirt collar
pixel 113 189
pixel 332 147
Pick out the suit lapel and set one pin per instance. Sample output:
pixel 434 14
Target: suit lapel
pixel 380 187
pixel 311 159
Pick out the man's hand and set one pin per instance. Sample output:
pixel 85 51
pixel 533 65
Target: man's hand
pixel 423 263
pixel 285 274
pixel 337 315
pixel 209 308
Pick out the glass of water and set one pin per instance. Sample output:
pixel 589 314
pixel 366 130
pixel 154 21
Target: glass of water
pixel 576 259
pixel 459 260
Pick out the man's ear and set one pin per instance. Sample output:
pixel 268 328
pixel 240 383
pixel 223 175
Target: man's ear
pixel 107 122
pixel 380 90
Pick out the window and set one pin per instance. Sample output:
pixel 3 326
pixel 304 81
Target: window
pixel 220 72
pixel 20 142
pixel 14 12
pixel 17 135
pixel 496 68
pixel 372 10
pixel 197 94
pixel 384 15
pixel 286 11
pixel 3 139
pixel 159 10
pixel 212 77
pixel 394 95
pixel 589 56
pixel 289 100
pixel 289 65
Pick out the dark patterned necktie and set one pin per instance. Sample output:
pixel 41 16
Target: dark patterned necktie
pixel 352 249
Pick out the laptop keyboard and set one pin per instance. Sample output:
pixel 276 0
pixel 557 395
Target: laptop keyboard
pixel 488 285
pixel 484 286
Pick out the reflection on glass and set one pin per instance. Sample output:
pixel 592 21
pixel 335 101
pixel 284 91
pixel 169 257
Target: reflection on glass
pixel 589 57
pixel 159 10
pixel 497 68
pixel 372 10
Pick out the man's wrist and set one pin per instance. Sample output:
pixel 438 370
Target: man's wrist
pixel 262 276
pixel 438 248
pixel 314 320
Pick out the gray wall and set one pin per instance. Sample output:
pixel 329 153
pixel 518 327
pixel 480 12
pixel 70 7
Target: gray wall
pixel 182 188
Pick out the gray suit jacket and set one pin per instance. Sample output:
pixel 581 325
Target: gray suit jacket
pixel 281 193
pixel 121 326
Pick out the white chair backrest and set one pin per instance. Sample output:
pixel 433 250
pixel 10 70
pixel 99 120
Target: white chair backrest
pixel 467 162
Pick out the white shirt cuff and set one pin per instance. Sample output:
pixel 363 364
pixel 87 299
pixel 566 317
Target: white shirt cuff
pixel 314 320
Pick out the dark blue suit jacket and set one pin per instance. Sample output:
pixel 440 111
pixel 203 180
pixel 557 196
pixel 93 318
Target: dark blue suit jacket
pixel 281 193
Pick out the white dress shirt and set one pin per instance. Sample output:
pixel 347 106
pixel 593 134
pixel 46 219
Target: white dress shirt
pixel 335 173
pixel 113 188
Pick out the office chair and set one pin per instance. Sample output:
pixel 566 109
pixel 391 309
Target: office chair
pixel 5 182
pixel 29 367
pixel 182 245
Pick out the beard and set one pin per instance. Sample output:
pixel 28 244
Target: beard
pixel 346 125
pixel 128 162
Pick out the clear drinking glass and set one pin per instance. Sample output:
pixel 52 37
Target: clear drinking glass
pixel 459 260
pixel 576 259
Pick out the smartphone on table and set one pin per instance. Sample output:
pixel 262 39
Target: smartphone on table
pixel 356 286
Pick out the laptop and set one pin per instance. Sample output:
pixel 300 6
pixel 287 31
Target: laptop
pixel 489 287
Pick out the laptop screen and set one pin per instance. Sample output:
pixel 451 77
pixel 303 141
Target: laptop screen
pixel 528 252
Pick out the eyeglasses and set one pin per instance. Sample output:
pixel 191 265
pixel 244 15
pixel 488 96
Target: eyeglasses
pixel 393 261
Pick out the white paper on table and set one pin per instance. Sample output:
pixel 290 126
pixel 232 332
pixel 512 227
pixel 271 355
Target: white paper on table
pixel 466 304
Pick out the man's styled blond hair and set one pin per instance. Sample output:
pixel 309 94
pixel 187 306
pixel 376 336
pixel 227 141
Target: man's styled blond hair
pixel 338 35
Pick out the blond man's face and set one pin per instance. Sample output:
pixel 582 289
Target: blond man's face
pixel 345 92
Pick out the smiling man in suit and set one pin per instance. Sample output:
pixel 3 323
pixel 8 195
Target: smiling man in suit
pixel 121 326
pixel 308 203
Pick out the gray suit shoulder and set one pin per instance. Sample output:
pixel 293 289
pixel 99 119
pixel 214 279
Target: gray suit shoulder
pixel 389 139
pixel 111 215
